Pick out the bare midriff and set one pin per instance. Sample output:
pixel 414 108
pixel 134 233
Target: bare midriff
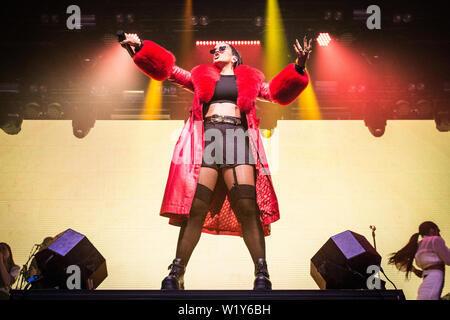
pixel 224 109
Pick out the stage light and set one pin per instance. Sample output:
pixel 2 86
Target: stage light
pixel 54 111
pixel 119 18
pixel 42 89
pixel 442 119
pixel 188 34
pixel 45 18
pixel 153 99
pixel 259 21
pixel 83 121
pixel 232 42
pixel 397 18
pixel 375 119
pixel 55 18
pixel 266 133
pixel 11 123
pixel 411 87
pixel 402 108
pixel 130 18
pixel 423 107
pixel 276 48
pixel 323 39
pixel 407 17
pixel 420 86
pixel 338 16
pixel 34 88
pixel 194 20
pixel 327 15
pixel 32 110
pixel 204 21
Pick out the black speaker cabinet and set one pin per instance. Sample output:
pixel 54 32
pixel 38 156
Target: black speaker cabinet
pixel 69 249
pixel 342 262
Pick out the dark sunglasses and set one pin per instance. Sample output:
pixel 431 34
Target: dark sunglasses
pixel 221 49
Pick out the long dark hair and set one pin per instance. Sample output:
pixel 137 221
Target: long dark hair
pixel 235 53
pixel 403 259
pixel 10 263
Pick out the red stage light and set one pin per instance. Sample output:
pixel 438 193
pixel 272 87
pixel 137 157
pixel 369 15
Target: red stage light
pixel 232 42
pixel 323 39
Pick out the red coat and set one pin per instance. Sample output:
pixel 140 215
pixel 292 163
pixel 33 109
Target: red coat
pixel 159 64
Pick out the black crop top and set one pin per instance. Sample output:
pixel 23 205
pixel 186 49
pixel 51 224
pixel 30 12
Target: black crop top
pixel 225 91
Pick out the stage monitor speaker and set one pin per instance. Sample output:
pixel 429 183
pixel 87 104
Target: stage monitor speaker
pixel 68 249
pixel 341 263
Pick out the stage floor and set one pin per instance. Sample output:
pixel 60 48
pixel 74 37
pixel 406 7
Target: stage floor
pixel 45 294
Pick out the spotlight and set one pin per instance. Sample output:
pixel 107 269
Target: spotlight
pixel 442 119
pixel 323 39
pixel 45 18
pixel 83 120
pixel 420 86
pixel 119 18
pixel 327 15
pixel 423 107
pixel 32 110
pixel 259 21
pixel 204 21
pixel 375 119
pixel 130 18
pixel 82 124
pixel 11 123
pixel 55 18
pixel 267 133
pixel 34 88
pixel 42 89
pixel 407 17
pixel 402 108
pixel 194 20
pixel 54 111
pixel 338 16
pixel 397 18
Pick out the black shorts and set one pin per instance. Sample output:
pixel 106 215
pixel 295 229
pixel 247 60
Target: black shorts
pixel 232 140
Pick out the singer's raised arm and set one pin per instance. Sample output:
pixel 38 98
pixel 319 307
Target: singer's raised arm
pixel 159 64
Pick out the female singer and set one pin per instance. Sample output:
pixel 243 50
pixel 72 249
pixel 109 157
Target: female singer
pixel 9 271
pixel 221 192
pixel 431 255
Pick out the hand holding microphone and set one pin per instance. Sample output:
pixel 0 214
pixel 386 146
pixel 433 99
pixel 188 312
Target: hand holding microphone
pixel 132 39
pixel 128 40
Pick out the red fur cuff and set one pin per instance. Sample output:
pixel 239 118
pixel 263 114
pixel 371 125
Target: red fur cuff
pixel 154 60
pixel 287 85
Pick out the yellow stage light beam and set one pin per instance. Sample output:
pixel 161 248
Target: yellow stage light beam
pixel 153 100
pixel 187 34
pixel 308 106
pixel 275 44
pixel 276 58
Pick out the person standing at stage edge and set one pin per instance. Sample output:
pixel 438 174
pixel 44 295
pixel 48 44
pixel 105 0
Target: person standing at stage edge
pixel 228 193
pixel 431 255
pixel 9 271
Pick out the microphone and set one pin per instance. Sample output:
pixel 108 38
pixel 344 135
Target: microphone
pixel 373 228
pixel 121 37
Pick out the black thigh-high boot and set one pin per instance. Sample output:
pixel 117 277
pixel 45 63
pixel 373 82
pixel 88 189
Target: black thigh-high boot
pixel 188 238
pixel 246 209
